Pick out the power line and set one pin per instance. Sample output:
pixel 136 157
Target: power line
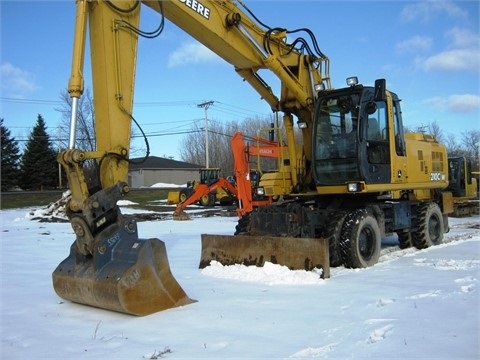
pixel 31 101
pixel 166 122
pixel 142 104
pixel 226 107
pixel 167 103
pixel 236 109
pixel 56 139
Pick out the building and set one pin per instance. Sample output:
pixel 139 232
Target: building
pixel 156 170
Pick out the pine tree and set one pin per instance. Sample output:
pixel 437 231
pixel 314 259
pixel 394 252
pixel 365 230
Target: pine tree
pixel 10 169
pixel 39 161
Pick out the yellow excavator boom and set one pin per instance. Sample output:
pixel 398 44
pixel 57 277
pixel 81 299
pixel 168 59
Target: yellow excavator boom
pixel 109 266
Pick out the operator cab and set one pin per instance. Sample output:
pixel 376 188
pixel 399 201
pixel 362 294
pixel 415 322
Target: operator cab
pixel 351 136
pixel 209 176
pixel 460 176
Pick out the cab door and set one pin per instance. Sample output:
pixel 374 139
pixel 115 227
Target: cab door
pixel 376 164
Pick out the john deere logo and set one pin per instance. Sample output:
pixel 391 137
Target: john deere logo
pixel 198 7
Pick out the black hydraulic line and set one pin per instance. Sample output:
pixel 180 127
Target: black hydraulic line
pixel 147 34
pixel 124 11
pixel 253 15
pixel 147 152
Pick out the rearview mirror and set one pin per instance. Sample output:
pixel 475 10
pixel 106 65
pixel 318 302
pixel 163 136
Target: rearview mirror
pixel 380 89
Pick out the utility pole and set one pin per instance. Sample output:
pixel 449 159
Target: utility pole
pixel 206 105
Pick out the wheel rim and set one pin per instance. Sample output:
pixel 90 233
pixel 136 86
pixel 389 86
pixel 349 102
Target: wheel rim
pixel 366 242
pixel 434 230
pixel 205 200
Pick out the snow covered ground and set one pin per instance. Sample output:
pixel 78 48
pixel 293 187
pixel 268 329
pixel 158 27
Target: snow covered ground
pixel 413 304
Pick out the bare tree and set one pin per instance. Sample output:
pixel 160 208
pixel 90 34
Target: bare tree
pixel 193 148
pixel 435 130
pixel 407 129
pixel 193 145
pixel 453 147
pixel 471 145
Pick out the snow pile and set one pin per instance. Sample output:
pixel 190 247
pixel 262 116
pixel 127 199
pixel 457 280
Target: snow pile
pixel 167 186
pixel 269 274
pixel 126 203
pixel 54 211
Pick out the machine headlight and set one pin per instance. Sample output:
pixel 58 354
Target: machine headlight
pixel 319 87
pixel 353 187
pixel 302 125
pixel 260 191
pixel 352 81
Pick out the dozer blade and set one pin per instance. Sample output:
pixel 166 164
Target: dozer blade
pixel 125 274
pixel 295 253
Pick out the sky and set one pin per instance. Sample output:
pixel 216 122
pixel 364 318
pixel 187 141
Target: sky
pixel 413 304
pixel 428 51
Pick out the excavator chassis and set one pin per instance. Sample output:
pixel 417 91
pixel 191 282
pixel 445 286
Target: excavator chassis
pixel 124 274
pixel 295 253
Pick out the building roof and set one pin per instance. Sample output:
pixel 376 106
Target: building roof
pixel 160 163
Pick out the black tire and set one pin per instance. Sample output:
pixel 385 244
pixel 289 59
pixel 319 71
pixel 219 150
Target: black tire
pixel 360 240
pixel 184 194
pixel 243 225
pixel 332 234
pixel 429 227
pixel 404 239
pixel 207 200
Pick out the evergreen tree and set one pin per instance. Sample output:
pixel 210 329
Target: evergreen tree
pixel 39 161
pixel 10 170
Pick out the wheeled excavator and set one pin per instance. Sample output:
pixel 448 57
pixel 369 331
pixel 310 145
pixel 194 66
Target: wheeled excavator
pixel 341 190
pixel 109 266
pixel 362 179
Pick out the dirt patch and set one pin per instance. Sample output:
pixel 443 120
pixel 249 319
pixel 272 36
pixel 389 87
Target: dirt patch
pixel 153 213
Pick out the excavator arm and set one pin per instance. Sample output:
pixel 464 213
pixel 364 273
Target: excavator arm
pixel 107 266
pixel 243 188
pixel 241 156
pixel 201 190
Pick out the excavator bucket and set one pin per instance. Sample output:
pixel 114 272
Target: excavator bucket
pixel 295 253
pixel 125 274
pixel 181 216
